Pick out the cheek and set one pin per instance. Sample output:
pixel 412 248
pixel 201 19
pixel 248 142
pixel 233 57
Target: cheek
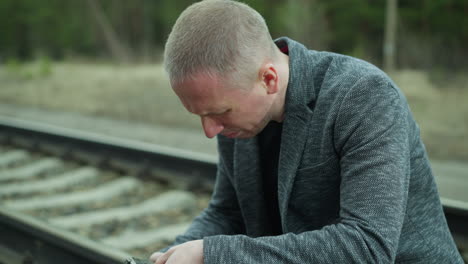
pixel 239 120
pixel 248 115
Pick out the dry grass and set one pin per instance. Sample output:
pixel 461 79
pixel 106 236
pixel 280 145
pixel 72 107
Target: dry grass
pixel 442 113
pixel 133 92
pixel 142 93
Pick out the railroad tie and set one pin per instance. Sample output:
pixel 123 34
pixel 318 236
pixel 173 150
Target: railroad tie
pixel 12 156
pixel 101 193
pixel 130 240
pixel 166 201
pixel 60 181
pixel 30 170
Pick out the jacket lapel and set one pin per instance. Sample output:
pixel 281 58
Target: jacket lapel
pixel 300 95
pixel 293 140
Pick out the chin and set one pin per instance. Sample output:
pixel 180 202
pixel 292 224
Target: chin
pixel 245 136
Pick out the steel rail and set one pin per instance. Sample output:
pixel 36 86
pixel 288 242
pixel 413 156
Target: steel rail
pixel 25 239
pixel 184 162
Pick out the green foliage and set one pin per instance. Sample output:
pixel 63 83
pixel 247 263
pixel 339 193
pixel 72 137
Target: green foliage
pixel 17 70
pixel 13 66
pixel 52 27
pixel 40 68
pixel 44 66
pixel 358 26
pixel 443 27
pixel 58 28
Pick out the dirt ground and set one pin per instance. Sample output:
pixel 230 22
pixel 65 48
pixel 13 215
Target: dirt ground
pixel 141 93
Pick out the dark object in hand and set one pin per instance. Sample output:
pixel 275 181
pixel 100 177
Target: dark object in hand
pixel 136 261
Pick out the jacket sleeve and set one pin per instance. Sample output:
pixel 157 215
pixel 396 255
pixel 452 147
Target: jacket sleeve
pixel 371 139
pixel 222 216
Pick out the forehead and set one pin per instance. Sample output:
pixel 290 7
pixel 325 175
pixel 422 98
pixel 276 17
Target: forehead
pixel 199 85
pixel 203 94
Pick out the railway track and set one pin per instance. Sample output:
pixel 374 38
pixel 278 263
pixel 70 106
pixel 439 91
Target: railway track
pixel 74 197
pixel 89 199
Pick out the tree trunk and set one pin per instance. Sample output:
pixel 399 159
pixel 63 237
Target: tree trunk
pixel 147 43
pixel 305 22
pixel 389 48
pixel 117 50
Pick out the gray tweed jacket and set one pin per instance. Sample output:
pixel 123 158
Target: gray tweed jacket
pixel 354 181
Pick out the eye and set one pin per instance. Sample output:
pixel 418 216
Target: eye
pixel 227 112
pixel 224 113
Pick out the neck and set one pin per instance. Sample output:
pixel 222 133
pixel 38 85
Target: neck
pixel 278 105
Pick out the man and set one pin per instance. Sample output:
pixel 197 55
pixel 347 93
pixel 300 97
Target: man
pixel 320 160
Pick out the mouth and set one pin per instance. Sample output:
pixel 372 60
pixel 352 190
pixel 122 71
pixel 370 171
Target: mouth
pixel 232 134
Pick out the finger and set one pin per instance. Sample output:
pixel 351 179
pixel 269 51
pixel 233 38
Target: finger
pixel 163 258
pixel 158 254
pixel 155 256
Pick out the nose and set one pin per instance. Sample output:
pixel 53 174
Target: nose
pixel 211 126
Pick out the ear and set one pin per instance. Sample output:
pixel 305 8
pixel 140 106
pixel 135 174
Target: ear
pixel 269 78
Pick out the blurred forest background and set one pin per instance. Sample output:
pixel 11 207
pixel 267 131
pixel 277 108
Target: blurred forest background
pixel 102 57
pixel 431 33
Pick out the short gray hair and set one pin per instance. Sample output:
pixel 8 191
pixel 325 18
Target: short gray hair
pixel 218 37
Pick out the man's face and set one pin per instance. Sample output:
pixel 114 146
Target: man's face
pixel 224 109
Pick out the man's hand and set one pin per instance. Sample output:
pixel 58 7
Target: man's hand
pixel 187 253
